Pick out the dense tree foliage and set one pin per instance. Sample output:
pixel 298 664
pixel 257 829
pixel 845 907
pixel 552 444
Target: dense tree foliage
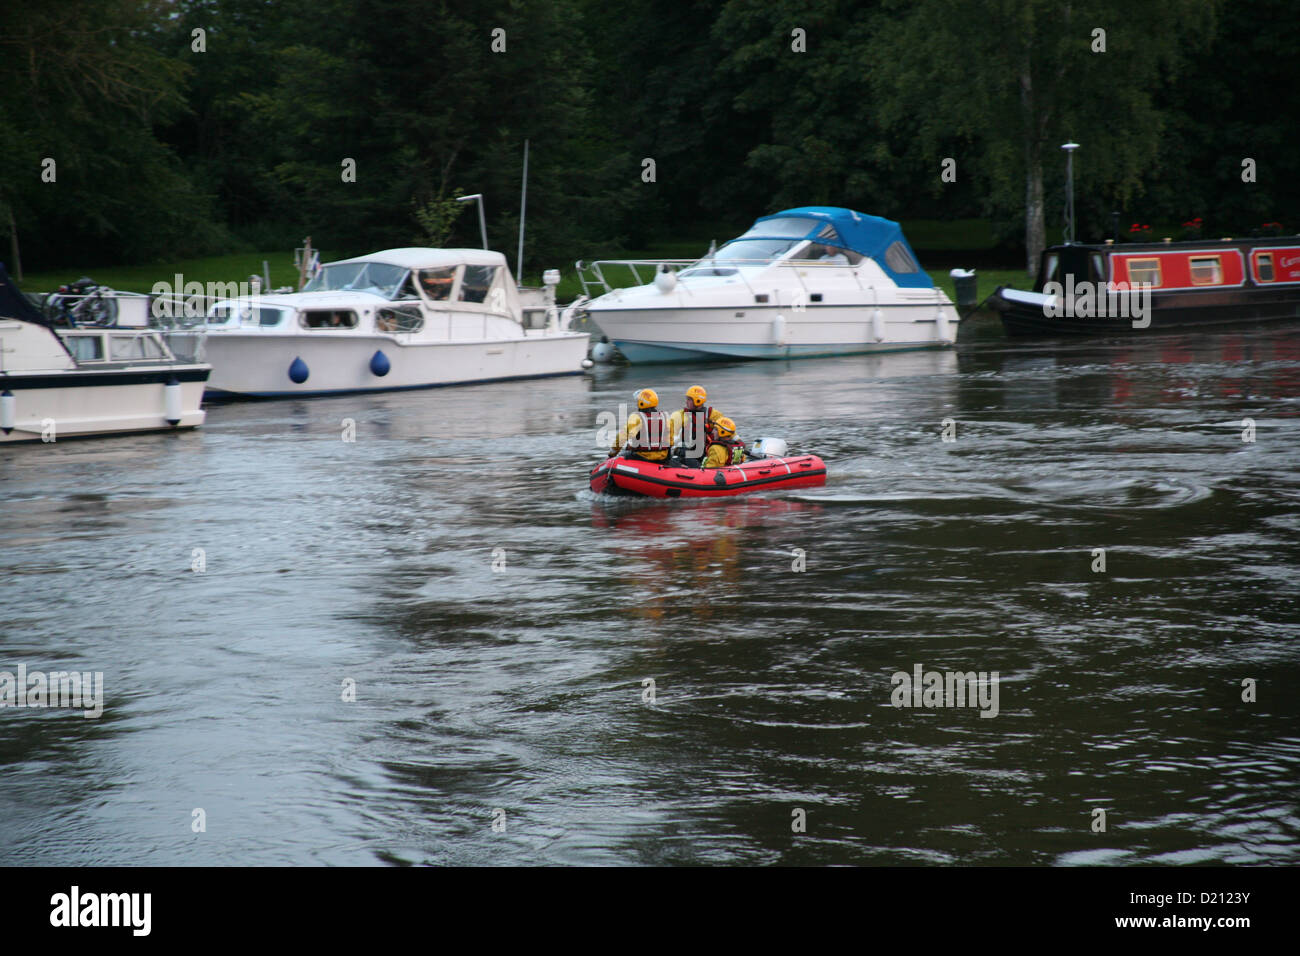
pixel 1015 79
pixel 197 126
pixel 83 87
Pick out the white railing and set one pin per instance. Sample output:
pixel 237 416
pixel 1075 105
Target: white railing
pixel 594 282
pixel 592 276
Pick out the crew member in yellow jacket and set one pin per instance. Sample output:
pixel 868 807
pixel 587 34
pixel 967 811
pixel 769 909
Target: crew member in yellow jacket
pixel 724 448
pixel 646 432
pixel 691 426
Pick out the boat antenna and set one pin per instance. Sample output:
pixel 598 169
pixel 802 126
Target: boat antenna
pixel 523 205
pixel 1069 192
pixel 482 223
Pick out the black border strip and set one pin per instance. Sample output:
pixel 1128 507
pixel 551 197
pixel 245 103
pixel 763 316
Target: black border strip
pixel 83 379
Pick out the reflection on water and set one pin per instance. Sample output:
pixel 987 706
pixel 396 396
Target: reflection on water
pixel 501 625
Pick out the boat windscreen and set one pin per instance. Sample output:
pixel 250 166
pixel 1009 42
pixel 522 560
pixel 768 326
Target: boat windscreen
pixel 792 227
pixel 378 278
pixel 742 252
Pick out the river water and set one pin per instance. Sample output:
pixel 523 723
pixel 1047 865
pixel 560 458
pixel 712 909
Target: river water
pixel 498 625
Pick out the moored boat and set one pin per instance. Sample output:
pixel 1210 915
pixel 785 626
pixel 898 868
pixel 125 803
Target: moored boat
pixel 635 476
pixel 1135 288
pixel 396 319
pixel 60 383
pixel 806 282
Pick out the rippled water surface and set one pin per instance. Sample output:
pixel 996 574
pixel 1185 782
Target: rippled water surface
pixel 521 689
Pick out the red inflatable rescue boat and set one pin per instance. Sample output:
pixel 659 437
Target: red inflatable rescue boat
pixel 634 476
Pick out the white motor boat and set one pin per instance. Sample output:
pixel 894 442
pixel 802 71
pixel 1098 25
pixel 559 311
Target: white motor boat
pixel 60 383
pixel 397 319
pixel 812 281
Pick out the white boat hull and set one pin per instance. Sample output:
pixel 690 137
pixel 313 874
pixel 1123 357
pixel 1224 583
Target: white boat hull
pixel 774 332
pixel 83 407
pixel 258 365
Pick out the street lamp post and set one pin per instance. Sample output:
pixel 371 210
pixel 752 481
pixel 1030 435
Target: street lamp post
pixel 1069 192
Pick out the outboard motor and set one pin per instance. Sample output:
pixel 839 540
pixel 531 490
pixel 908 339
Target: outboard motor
pixel 768 448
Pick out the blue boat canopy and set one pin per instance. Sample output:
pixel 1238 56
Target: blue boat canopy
pixel 881 239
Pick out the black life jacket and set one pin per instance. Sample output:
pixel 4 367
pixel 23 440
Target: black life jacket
pixel 652 435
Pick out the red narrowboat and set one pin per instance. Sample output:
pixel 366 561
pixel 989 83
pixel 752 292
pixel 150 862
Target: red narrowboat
pixel 1132 288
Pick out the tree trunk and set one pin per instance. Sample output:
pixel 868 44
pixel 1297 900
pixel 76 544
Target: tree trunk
pixel 1031 122
pixel 1035 233
pixel 16 259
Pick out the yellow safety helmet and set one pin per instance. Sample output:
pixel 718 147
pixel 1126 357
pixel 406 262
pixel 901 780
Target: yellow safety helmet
pixel 647 398
pixel 726 427
pixel 696 395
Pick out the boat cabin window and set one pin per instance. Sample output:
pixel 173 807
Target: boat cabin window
pixel 829 254
pixel 1098 267
pixel 1144 271
pixel 85 348
pixel 378 278
pixel 328 319
pixel 123 348
pixel 478 279
pixel 899 259
pixel 1207 270
pixel 404 319
pixel 248 315
pixel 1264 266
pixel 436 283
pixel 1050 266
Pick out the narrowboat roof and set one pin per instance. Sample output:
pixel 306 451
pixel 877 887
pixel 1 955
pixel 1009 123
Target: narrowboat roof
pixel 1181 245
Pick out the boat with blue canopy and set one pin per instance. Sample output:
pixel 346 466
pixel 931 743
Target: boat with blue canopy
pixel 801 283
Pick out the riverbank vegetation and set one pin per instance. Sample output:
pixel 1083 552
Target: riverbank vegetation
pixel 138 133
